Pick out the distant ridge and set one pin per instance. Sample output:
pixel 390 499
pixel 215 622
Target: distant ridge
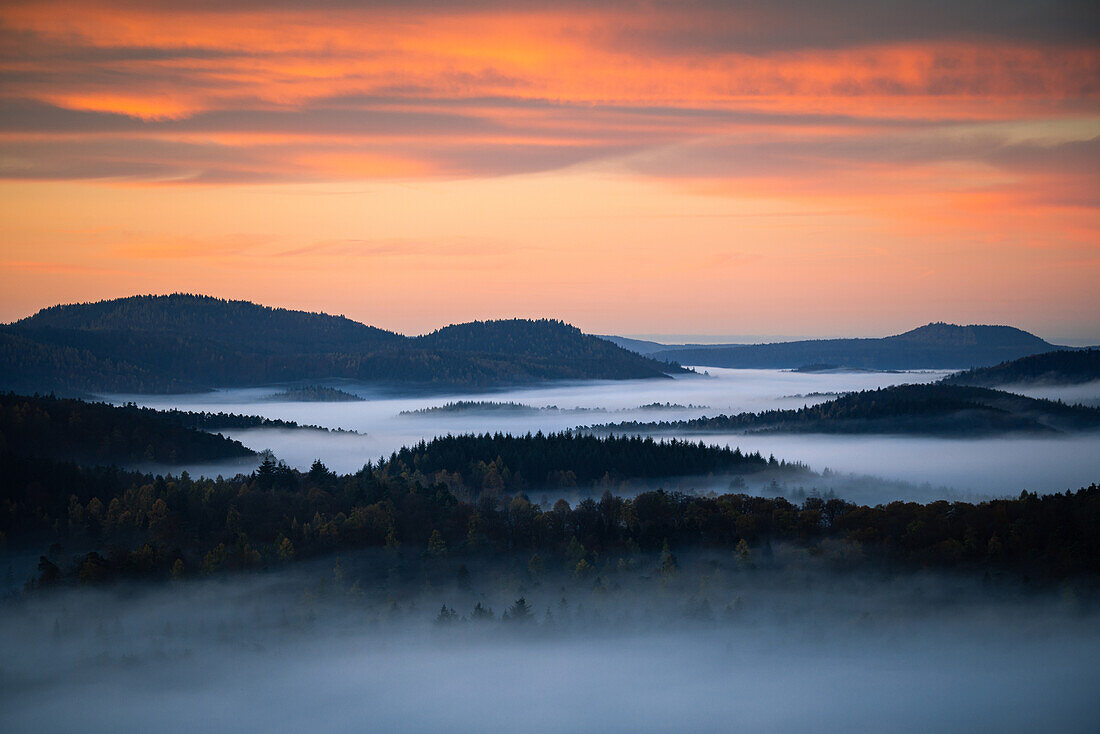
pixel 933 346
pixel 184 342
pixel 641 346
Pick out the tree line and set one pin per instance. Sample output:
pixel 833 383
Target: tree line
pixel 103 523
pixel 934 409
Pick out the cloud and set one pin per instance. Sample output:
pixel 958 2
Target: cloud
pixel 246 91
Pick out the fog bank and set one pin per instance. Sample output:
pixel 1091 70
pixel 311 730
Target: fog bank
pixel 935 467
pixel 802 650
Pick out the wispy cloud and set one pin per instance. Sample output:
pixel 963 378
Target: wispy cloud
pixel 575 151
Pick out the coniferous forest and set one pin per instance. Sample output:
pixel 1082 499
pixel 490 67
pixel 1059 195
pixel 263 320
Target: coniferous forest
pixel 935 409
pixel 466 494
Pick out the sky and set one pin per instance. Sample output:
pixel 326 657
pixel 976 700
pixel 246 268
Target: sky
pixel 808 167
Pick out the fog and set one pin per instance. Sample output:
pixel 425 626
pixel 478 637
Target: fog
pixel 781 645
pixel 968 469
pixel 1087 393
pixel 914 468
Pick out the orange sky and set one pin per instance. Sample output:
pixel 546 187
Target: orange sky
pixel 784 167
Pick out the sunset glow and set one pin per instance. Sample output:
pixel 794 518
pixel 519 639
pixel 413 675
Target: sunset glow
pixel 727 168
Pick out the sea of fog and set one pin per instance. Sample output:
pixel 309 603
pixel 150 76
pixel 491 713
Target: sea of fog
pixel 917 468
pixel 298 651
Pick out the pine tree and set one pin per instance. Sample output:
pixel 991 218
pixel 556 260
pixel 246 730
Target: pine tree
pixel 436 545
pixel 520 611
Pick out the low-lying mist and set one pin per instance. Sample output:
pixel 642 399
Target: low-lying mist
pixel 760 642
pixel 719 391
pixel 1087 393
pixel 913 468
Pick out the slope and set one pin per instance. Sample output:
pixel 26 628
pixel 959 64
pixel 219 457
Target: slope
pixel 1064 367
pixel 936 409
pixel 97 433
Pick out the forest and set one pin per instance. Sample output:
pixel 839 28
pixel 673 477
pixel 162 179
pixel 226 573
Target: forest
pixel 472 464
pixel 180 343
pixel 933 409
pixel 463 494
pixel 98 524
pixel 1063 367
pixel 458 407
pixel 98 433
pixel 315 394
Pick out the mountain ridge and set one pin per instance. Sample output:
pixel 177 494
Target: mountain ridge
pixel 185 342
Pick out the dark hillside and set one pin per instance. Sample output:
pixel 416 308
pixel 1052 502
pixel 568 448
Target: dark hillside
pixel 241 324
pixel 98 433
pixel 558 460
pixel 935 409
pixel 1064 367
pixel 545 342
pixel 186 343
pixel 315 394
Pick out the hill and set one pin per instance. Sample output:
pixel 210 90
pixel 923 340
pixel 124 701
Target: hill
pixel 933 346
pixel 1064 367
pixel 509 464
pixel 937 409
pixel 184 343
pixel 97 433
pixel 315 394
pixel 541 346
pixel 243 324
pixel 459 407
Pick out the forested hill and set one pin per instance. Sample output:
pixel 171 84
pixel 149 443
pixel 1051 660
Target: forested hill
pixel 933 346
pixel 97 433
pixel 542 344
pixel 240 323
pixel 183 342
pixel 1064 367
pixel 563 460
pixel 935 409
pixel 315 394
pixel 102 525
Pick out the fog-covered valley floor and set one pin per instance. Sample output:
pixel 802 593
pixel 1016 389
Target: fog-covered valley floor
pixel 828 636
pixel 916 468
pixel 784 644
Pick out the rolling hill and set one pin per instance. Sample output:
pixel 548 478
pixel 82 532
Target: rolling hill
pixel 98 433
pixel 1064 367
pixel 933 346
pixel 184 342
pixel 246 325
pixel 936 409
